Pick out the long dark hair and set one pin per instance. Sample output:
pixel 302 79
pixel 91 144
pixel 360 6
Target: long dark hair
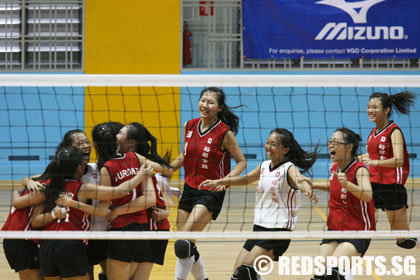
pixel 402 101
pixel 351 137
pixel 67 159
pixel 105 139
pixel 142 136
pixel 115 126
pixel 301 158
pixel 68 138
pixel 225 115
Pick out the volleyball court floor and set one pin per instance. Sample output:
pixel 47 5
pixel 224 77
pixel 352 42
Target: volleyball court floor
pixel 237 214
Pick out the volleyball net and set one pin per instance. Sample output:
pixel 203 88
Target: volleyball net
pixel 37 110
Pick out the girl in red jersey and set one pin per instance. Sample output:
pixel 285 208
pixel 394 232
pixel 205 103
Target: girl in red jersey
pixel 25 253
pixel 67 259
pixel 277 199
pixel 22 254
pixel 134 137
pixel 388 160
pixel 350 203
pixel 124 256
pixel 209 141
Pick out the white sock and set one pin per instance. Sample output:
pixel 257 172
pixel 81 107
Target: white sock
pixel 349 276
pixel 183 267
pixel 418 243
pixel 197 270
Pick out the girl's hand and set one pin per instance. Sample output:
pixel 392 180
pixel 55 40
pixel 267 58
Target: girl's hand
pixel 146 170
pixel 63 200
pixel 311 195
pixel 371 162
pixel 59 213
pixel 342 178
pixel 213 184
pixel 159 214
pixel 35 186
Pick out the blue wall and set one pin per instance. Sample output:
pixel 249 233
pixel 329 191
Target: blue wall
pixel 32 123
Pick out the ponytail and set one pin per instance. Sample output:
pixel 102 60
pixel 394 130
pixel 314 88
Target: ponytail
pixel 105 139
pixel 142 136
pixel 401 102
pixel 63 167
pixel 301 158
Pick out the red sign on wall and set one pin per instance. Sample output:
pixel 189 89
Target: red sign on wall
pixel 206 8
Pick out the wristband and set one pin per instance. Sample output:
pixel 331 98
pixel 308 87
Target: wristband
pixel 53 214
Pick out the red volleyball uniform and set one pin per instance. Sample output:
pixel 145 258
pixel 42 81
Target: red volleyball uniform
pixel 379 146
pixel 160 203
pixel 19 219
pixel 203 157
pixel 75 219
pixel 347 212
pixel 122 169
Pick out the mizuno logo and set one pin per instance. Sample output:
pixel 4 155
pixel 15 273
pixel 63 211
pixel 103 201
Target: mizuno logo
pixel 340 31
pixel 357 10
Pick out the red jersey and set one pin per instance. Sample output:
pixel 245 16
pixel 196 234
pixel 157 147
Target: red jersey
pixel 122 169
pixel 19 219
pixel 203 157
pixel 160 203
pixel 379 146
pixel 75 219
pixel 347 212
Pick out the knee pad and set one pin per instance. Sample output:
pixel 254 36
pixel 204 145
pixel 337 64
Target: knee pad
pixel 407 243
pixel 245 272
pixel 184 249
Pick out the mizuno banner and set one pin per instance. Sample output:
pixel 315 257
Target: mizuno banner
pixel 331 28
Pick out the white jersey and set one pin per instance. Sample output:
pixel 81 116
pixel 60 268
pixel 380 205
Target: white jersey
pixel 276 202
pixel 93 176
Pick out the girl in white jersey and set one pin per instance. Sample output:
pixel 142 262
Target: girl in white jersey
pixel 277 198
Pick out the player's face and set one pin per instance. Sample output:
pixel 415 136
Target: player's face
pixel 122 141
pixel 338 148
pixel 81 142
pixel 208 105
pixel 376 111
pixel 274 148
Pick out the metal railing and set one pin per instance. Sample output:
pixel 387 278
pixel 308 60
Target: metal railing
pixel 41 35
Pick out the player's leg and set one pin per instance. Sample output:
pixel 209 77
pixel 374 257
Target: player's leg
pixel 142 271
pixel 30 274
pixel 117 269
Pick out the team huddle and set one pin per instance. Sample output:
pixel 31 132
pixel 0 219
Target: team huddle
pixel 126 189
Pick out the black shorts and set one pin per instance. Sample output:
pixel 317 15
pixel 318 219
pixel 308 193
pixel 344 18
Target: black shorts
pixel 361 245
pixel 212 200
pixel 21 254
pixel 67 258
pixel 279 246
pixel 96 251
pixel 158 250
pixel 130 250
pixel 389 197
